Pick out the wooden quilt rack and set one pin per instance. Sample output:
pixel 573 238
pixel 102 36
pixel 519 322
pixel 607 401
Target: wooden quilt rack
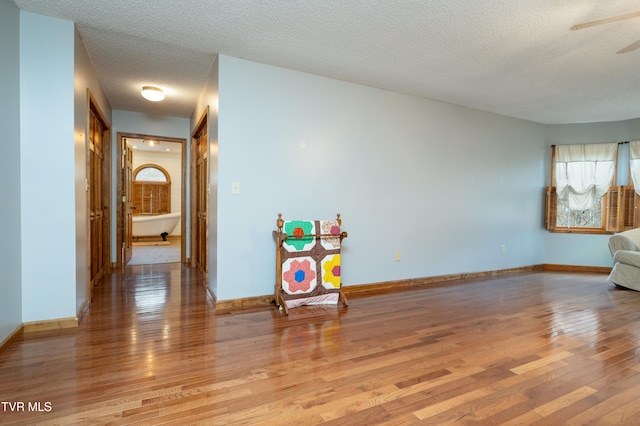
pixel 308 263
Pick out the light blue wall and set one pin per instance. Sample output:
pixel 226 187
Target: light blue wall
pixel 581 249
pixel 149 124
pixel 145 124
pixel 208 104
pixel 10 245
pixel 47 169
pixel 444 185
pixel 85 80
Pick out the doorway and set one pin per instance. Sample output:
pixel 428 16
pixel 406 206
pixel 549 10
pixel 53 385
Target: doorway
pixel 151 214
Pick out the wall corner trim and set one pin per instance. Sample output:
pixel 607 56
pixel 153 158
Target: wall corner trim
pixel 83 310
pixel 13 336
pixel 54 324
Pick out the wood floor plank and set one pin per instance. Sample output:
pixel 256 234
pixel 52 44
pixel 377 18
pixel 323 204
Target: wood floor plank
pixel 540 362
pixel 434 409
pixel 531 348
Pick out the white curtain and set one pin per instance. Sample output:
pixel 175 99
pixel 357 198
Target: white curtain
pixel 634 164
pixel 584 173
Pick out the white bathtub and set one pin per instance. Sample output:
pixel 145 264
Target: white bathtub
pixel 147 226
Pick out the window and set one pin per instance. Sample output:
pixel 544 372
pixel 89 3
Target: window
pixel 581 177
pixel 580 218
pixel 151 173
pixel 616 211
pixel 151 190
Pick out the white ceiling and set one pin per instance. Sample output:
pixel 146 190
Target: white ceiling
pixel 513 57
pixel 159 146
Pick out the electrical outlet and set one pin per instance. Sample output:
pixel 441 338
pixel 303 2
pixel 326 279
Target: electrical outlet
pixel 235 188
pixel 503 248
pixel 397 256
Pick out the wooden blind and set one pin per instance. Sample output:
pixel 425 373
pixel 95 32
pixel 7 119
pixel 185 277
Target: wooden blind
pixel 622 209
pixel 630 208
pixel 151 197
pixel 614 207
pixel 551 213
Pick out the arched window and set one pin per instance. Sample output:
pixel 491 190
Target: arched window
pixel 151 190
pixel 151 173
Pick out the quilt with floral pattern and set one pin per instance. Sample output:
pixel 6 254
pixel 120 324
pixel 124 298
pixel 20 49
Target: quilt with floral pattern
pixel 311 263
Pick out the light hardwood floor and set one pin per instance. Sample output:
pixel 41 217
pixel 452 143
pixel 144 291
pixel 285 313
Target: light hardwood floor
pixel 535 348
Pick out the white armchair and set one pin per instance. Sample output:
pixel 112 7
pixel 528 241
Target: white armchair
pixel 625 249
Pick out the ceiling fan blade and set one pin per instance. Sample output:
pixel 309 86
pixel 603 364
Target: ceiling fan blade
pixel 606 20
pixel 629 48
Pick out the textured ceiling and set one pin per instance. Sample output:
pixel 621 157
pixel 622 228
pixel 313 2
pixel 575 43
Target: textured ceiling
pixel 513 57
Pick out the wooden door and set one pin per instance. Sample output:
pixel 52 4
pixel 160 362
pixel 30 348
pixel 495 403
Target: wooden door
pixel 201 200
pixel 96 199
pixel 127 200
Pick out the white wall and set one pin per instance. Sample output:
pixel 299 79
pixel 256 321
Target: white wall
pixel 47 168
pixel 146 124
pixel 85 79
pixel 444 185
pixel 582 249
pixel 10 245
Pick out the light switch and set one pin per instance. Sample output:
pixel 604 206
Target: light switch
pixel 235 188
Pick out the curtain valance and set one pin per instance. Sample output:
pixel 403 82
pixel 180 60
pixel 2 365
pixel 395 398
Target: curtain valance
pixel 634 164
pixel 584 173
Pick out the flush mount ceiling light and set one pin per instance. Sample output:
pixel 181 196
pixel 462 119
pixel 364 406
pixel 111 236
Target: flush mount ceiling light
pixel 153 94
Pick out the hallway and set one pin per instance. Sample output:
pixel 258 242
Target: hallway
pixel 533 348
pixel 133 341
